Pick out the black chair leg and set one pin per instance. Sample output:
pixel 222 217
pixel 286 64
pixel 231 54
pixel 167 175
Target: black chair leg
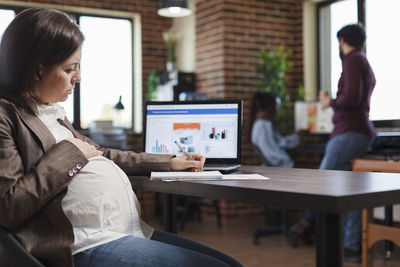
pixel 388 222
pixel 282 228
pixel 185 213
pixel 158 206
pixel 193 205
pixel 198 204
pixel 218 213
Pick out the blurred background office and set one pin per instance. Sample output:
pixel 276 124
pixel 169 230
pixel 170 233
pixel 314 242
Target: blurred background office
pixel 219 44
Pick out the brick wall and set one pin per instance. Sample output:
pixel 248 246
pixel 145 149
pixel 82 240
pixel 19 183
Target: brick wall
pixel 229 34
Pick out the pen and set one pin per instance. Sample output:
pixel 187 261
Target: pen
pixel 184 152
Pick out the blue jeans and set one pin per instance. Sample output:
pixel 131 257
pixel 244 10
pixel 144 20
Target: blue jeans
pixel 340 152
pixel 163 249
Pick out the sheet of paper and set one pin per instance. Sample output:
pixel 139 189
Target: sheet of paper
pixel 185 176
pixel 243 177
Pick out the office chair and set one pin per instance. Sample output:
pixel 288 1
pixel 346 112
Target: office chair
pixel 12 253
pixel 282 228
pixel 373 232
pixel 191 205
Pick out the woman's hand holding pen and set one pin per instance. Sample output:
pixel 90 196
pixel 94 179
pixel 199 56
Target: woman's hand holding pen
pixel 181 163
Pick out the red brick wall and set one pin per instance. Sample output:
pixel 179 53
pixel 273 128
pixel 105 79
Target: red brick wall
pixel 230 33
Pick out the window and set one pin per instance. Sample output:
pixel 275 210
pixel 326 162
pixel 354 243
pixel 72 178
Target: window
pixel 331 18
pixel 381 24
pixel 107 71
pixel 5 18
pixel 383 43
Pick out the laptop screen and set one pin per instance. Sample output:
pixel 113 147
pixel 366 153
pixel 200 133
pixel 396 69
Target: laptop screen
pixel 211 128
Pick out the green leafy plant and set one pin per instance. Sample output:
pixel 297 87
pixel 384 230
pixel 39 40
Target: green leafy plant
pixel 153 82
pixel 301 93
pixel 170 38
pixel 273 67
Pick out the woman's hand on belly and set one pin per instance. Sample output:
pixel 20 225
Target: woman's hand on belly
pixel 87 149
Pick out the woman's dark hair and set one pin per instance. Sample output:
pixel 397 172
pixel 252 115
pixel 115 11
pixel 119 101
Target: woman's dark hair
pixel 353 34
pixel 261 102
pixel 35 36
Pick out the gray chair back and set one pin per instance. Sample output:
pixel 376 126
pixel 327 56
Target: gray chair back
pixel 12 253
pixel 264 161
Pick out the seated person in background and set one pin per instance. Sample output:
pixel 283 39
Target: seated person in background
pixel 263 136
pixel 67 200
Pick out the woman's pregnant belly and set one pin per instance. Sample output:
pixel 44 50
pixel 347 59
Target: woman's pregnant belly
pixel 100 197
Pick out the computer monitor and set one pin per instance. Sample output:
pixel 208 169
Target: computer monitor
pixel 211 128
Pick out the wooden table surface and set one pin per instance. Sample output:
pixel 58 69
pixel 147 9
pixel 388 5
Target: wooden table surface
pixel 328 193
pixel 320 190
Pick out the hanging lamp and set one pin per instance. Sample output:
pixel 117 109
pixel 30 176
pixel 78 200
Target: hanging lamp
pixel 174 8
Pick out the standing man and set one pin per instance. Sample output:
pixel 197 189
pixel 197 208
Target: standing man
pixel 353 131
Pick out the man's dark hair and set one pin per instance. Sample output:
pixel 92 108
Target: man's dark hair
pixel 35 37
pixel 353 34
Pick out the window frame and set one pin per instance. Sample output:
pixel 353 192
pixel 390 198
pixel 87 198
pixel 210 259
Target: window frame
pixel 361 17
pixel 136 59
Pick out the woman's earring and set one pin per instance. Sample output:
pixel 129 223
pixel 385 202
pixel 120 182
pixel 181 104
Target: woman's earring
pixel 38 75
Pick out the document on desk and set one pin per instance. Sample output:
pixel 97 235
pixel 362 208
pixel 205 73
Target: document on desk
pixel 206 175
pixel 243 177
pixel 186 176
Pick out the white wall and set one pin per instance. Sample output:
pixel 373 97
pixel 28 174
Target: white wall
pixel 310 50
pixel 186 44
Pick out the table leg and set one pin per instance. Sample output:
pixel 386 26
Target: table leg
pixel 329 238
pixel 170 213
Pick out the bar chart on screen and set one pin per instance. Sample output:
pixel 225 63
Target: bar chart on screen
pixel 159 148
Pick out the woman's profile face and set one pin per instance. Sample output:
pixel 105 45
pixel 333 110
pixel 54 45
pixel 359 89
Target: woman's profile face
pixel 55 83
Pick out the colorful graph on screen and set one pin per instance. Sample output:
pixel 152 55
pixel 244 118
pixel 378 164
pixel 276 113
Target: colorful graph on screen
pixel 159 148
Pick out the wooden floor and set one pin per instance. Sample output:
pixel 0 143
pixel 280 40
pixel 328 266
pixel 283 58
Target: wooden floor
pixel 235 239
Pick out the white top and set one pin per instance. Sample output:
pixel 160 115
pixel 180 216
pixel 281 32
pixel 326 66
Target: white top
pixel 49 114
pixel 100 202
pixel 271 144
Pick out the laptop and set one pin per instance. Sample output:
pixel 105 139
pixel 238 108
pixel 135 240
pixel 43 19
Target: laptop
pixel 211 128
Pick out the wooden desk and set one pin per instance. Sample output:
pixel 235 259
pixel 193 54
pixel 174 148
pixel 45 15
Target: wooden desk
pixel 329 193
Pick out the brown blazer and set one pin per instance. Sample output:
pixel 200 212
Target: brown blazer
pixel 34 177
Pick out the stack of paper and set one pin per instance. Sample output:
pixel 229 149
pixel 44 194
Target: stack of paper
pixel 185 176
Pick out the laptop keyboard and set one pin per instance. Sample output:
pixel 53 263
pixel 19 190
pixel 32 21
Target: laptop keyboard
pixel 221 167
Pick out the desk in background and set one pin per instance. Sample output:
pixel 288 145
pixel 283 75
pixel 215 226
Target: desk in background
pixel 329 193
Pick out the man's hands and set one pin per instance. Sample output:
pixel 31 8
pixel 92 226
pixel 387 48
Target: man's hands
pixel 182 163
pixel 87 149
pixel 324 98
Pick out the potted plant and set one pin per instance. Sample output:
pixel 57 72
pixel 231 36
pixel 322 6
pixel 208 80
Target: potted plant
pixel 273 67
pixel 170 38
pixel 153 82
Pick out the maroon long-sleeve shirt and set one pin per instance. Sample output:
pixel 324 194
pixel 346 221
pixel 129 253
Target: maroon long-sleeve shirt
pixel 352 103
